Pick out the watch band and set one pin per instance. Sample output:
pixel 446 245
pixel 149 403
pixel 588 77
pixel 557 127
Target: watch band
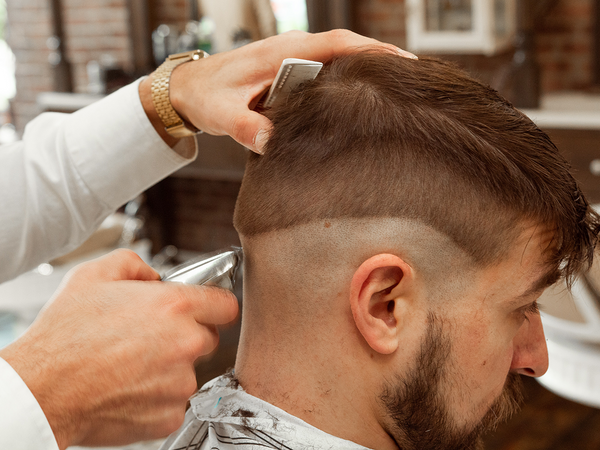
pixel 174 125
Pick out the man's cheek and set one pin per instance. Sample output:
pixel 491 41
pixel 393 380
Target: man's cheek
pixel 479 377
pixel 494 375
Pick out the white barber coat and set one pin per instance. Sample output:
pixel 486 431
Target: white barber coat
pixel 57 185
pixel 223 416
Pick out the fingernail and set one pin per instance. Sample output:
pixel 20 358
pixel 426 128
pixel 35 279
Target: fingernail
pixel 406 54
pixel 260 141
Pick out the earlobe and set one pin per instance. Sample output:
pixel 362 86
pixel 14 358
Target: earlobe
pixel 377 287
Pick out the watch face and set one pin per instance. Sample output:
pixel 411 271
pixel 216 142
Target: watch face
pixel 198 54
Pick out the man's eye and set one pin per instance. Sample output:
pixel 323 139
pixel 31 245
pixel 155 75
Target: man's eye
pixel 532 308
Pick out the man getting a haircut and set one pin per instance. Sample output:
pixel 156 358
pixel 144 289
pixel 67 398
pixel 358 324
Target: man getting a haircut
pixel 397 232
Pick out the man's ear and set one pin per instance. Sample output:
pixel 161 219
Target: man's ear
pixel 379 292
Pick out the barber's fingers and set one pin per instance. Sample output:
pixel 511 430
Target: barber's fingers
pixel 250 129
pixel 324 46
pixel 207 339
pixel 212 305
pixel 208 305
pixel 121 264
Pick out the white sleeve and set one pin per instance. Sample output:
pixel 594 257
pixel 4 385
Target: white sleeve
pixel 23 425
pixel 71 171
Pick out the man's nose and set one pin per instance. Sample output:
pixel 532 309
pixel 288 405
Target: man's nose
pixel 530 354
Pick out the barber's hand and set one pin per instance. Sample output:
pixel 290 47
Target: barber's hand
pixel 214 93
pixel 111 358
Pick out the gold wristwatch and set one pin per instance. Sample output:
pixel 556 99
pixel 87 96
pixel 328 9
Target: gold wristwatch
pixel 174 125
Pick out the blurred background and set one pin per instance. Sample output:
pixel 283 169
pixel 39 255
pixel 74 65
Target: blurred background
pixel 543 55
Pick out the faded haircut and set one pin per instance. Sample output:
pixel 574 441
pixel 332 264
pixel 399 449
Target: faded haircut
pixel 379 135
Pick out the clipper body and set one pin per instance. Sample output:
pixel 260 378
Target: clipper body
pixel 213 269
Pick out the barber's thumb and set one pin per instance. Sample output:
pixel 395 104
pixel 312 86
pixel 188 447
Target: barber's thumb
pixel 214 305
pixel 252 130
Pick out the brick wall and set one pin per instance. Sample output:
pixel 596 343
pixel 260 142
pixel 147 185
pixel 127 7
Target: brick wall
pixel 93 29
pixel 29 28
pixel 192 214
pixel 564 41
pixel 203 214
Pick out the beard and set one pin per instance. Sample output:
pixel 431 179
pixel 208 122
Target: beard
pixel 419 415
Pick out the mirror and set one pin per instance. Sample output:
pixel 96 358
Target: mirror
pixel 460 26
pixel 449 15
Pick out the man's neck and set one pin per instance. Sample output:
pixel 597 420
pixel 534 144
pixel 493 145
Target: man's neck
pixel 315 378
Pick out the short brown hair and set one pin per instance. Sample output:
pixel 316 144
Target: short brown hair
pixel 378 135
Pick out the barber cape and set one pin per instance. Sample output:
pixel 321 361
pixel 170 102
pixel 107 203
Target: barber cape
pixel 223 416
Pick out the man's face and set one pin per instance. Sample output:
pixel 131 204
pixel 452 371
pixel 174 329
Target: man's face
pixel 464 380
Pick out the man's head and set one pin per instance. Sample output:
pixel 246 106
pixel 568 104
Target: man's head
pixel 400 223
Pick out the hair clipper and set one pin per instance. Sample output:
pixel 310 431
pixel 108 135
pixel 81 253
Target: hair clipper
pixel 212 269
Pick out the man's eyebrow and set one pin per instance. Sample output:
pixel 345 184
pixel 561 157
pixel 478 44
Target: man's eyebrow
pixel 546 280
